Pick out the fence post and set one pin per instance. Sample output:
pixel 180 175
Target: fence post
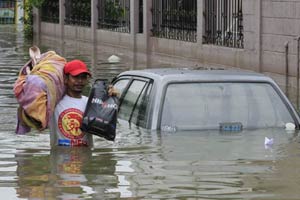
pixel 19 10
pixel 134 25
pixel 62 15
pixel 147 26
pixel 36 25
pixel 200 4
pixel 94 26
pixel 94 19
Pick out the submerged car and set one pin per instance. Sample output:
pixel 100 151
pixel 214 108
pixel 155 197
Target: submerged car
pixel 202 99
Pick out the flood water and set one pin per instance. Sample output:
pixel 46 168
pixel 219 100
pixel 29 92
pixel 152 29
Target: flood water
pixel 139 164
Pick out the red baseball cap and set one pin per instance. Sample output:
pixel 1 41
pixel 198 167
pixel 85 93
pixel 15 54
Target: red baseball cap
pixel 76 67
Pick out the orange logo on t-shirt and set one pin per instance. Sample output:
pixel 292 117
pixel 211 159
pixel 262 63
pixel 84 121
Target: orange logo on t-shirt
pixel 69 123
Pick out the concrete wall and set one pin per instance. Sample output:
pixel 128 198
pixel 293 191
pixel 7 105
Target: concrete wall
pixel 268 26
pixel 280 24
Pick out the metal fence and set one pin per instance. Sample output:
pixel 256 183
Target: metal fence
pixel 78 12
pixel 50 11
pixel 114 15
pixel 7 12
pixel 171 19
pixel 223 21
pixel 175 19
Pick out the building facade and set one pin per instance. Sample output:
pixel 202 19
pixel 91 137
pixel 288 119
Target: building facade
pixel 259 35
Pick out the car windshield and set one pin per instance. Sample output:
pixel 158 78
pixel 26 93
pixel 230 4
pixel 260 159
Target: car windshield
pixel 191 106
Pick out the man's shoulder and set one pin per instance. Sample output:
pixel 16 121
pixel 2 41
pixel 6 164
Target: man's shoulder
pixel 85 98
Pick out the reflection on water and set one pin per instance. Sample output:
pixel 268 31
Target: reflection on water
pixel 139 164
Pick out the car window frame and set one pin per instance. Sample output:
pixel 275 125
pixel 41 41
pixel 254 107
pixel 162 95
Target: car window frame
pixel 148 111
pixel 131 78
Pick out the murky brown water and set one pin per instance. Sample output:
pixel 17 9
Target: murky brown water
pixel 139 164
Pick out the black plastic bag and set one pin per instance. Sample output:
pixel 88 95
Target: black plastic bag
pixel 100 116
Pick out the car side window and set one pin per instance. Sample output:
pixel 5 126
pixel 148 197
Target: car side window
pixel 132 101
pixel 140 113
pixel 121 84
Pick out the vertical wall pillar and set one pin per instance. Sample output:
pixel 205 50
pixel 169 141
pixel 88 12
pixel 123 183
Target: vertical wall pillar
pixel 258 33
pixel 20 14
pixel 62 15
pixel 134 25
pixel 94 26
pixel 94 20
pixel 19 11
pixel 36 26
pixel 147 26
pixel 200 8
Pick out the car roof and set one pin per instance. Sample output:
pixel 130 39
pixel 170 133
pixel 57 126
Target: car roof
pixel 199 74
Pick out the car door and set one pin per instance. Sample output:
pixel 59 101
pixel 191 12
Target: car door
pixel 134 100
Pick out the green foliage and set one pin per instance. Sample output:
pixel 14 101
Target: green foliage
pixel 35 3
pixel 113 10
pixel 28 18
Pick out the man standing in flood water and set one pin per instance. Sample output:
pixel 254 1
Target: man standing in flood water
pixel 67 118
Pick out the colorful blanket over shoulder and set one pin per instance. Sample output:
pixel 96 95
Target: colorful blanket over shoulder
pixel 38 91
